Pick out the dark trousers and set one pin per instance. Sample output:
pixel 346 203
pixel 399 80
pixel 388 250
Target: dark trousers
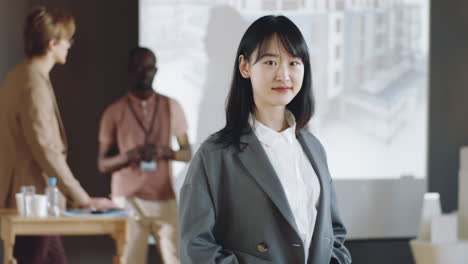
pixel 39 250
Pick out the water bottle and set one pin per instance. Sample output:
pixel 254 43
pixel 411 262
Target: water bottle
pixel 52 194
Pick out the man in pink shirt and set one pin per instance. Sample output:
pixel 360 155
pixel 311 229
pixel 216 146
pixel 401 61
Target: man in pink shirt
pixel 135 146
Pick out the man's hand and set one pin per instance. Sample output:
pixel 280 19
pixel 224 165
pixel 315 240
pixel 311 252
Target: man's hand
pixel 134 155
pixel 164 153
pixel 101 204
pixel 145 152
pixel 148 152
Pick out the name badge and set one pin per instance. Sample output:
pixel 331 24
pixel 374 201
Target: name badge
pixel 148 165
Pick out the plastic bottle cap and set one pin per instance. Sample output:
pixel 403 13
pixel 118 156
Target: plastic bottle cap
pixel 52 181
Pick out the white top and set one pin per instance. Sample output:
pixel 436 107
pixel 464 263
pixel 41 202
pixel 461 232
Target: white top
pixel 296 174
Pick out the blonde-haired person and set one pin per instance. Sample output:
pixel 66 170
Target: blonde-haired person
pixel 32 140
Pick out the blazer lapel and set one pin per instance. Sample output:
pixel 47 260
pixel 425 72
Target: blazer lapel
pixel 62 129
pixel 259 166
pixel 56 110
pixel 59 117
pixel 318 248
pixel 307 147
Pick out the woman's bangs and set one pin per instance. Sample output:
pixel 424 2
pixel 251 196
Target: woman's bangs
pixel 292 42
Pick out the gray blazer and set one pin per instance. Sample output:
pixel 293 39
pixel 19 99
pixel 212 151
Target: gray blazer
pixel 233 209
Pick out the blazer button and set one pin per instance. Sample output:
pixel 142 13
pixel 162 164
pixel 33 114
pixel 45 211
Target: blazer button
pixel 262 247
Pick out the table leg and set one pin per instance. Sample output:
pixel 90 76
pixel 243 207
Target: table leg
pixel 8 237
pixel 120 237
pixel 8 245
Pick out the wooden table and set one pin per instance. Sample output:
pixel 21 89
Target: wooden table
pixel 13 225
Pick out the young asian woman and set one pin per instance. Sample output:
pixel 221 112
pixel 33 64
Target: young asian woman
pixel 259 190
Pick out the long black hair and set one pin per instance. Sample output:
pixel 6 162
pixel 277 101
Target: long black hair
pixel 240 102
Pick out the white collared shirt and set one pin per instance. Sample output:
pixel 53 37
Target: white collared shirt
pixel 296 174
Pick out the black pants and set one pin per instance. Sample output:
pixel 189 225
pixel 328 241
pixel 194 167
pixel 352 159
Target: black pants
pixel 39 250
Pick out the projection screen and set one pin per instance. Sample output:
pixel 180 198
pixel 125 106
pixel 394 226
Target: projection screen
pixel 370 74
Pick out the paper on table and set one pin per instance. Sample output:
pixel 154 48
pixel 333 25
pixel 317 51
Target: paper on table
pixel 90 213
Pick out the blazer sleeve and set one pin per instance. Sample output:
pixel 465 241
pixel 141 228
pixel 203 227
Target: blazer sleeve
pixel 340 254
pixel 197 220
pixel 45 143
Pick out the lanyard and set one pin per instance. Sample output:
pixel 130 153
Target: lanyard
pixel 148 131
